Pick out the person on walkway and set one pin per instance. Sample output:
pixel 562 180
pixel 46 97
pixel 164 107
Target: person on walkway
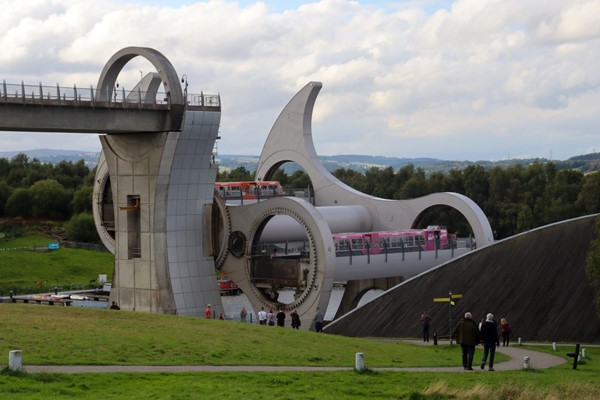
pixel 262 316
pixel 505 332
pixel 489 335
pixel 114 306
pixel 207 312
pixel 280 318
pixel 295 320
pixel 271 317
pixel 319 317
pixel 243 314
pixel 425 320
pixel 467 335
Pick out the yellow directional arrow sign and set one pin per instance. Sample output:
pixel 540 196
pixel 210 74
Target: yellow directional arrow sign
pixel 441 299
pixel 457 296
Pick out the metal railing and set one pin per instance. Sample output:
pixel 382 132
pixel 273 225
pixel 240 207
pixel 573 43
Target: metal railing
pixel 38 94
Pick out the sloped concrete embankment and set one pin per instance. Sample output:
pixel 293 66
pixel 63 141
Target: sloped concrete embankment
pixel 536 280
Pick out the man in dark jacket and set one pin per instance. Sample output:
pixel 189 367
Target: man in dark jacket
pixel 467 335
pixel 489 335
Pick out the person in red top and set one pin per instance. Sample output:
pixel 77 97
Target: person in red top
pixel 505 332
pixel 207 312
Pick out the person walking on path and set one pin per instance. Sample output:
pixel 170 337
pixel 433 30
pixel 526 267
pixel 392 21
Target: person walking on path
pixel 207 312
pixel 262 316
pixel 319 317
pixel 280 318
pixel 489 335
pixel 505 332
pixel 243 314
pixel 295 320
pixel 425 320
pixel 467 335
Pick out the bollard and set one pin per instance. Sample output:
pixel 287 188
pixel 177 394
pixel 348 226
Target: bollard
pixel 15 360
pixel 359 362
pixel 526 362
pixel 435 339
pixel 553 346
pixel 583 353
pixel 519 342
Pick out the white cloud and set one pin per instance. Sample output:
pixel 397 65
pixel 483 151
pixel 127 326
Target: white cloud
pixel 470 79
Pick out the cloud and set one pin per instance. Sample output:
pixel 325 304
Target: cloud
pixel 463 79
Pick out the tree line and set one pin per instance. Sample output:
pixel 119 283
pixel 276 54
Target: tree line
pixel 32 190
pixel 515 198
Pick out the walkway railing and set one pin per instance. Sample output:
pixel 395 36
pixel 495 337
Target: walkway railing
pixel 53 95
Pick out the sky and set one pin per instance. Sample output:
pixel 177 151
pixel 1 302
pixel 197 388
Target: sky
pixel 454 80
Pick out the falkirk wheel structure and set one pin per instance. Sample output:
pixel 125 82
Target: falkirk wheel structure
pixel 156 209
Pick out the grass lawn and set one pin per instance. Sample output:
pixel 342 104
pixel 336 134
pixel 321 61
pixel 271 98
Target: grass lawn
pixel 63 335
pixel 21 268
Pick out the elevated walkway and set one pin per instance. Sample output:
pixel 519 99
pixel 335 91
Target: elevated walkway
pixel 113 111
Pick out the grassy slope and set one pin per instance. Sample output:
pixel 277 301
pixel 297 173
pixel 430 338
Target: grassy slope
pixel 61 335
pixel 21 269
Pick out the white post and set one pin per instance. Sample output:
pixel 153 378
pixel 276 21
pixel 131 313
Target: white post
pixel 359 362
pixel 15 360
pixel 583 353
pixel 526 362
pixel 520 342
pixel 553 346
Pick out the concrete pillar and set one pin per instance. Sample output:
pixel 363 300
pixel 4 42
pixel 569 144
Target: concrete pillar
pixel 520 341
pixel 359 363
pixel 583 353
pixel 553 346
pixel 15 360
pixel 526 362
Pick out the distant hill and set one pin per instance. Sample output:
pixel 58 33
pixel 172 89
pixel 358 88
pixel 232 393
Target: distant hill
pixel 584 163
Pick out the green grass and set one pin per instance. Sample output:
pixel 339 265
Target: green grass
pixel 63 335
pixel 21 268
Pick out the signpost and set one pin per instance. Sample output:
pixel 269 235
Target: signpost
pixel 450 300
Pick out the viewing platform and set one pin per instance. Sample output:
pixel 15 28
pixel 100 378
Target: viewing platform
pixel 88 110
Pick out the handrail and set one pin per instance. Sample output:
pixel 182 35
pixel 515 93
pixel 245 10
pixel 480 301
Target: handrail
pixel 39 94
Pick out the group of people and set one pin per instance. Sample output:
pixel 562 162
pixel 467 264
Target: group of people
pixel 271 318
pixel 468 334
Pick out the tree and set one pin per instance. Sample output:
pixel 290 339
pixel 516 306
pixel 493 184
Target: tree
pixel 19 203
pixel 589 197
pixel 81 228
pixel 593 265
pixel 5 192
pixel 50 200
pixel 82 199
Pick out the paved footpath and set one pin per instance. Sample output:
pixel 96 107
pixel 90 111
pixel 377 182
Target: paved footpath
pixel 538 360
